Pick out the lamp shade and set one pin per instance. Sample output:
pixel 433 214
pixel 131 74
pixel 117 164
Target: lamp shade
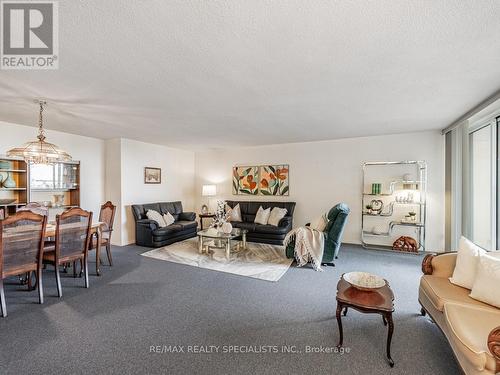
pixel 209 190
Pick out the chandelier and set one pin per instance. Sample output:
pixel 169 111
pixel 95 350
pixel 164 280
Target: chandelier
pixel 39 151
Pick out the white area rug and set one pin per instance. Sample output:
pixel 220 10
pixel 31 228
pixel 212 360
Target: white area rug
pixel 260 261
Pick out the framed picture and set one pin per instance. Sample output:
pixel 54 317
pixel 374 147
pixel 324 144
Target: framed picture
pixel 245 180
pixel 152 175
pixel 261 180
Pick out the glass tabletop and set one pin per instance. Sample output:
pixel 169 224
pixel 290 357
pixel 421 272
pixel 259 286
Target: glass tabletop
pixel 211 233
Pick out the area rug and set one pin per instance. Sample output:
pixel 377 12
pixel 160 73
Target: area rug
pixel 259 261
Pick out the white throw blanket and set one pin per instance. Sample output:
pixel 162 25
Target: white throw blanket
pixel 309 246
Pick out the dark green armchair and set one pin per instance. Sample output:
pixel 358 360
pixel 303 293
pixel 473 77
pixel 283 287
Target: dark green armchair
pixel 337 218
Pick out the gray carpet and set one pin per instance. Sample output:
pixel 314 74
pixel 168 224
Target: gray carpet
pixel 142 302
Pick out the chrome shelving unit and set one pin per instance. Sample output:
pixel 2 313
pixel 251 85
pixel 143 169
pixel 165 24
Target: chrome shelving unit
pixel 396 186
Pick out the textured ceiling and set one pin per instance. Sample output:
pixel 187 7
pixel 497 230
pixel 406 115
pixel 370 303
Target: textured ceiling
pixel 217 73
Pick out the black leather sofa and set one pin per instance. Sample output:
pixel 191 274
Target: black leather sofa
pixel 148 233
pixel 263 233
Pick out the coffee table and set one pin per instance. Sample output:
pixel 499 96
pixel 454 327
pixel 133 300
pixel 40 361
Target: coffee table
pixel 222 240
pixel 378 301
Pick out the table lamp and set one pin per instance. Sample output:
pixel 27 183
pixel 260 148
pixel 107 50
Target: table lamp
pixel 208 191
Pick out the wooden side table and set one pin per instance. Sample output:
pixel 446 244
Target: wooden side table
pixel 205 216
pixel 379 301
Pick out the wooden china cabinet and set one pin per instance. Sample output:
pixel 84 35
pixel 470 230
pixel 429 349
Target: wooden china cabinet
pixel 56 186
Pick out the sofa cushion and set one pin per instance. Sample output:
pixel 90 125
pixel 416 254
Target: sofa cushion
pixel 485 288
pixel 175 208
pixel 233 214
pixel 187 224
pixel 156 216
pixel 166 231
pixel 271 229
pixel 276 215
pixel 168 218
pixel 440 290
pixel 469 327
pixel 243 225
pixel 467 259
pixel 262 216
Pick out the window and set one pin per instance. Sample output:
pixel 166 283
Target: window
pixel 482 175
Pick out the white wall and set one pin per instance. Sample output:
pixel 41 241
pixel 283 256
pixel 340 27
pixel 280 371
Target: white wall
pixel 113 184
pixel 89 151
pixel 325 173
pixel 177 176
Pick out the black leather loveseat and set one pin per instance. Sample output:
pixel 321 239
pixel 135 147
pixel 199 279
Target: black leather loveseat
pixel 264 233
pixel 148 233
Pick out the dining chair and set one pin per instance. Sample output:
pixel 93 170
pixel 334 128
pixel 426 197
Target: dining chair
pixel 73 228
pixel 107 217
pixel 21 249
pixel 36 208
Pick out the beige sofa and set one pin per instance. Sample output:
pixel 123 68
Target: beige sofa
pixel 471 327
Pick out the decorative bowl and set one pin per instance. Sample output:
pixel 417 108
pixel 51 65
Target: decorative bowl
pixel 364 280
pixel 7 201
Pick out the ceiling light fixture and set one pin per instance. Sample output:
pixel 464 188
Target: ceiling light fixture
pixel 39 151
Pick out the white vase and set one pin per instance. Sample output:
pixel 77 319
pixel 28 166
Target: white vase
pixel 227 227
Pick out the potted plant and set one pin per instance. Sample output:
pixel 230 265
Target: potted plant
pixel 369 209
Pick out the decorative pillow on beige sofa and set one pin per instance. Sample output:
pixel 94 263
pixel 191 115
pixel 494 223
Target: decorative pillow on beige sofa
pixel 486 287
pixel 467 259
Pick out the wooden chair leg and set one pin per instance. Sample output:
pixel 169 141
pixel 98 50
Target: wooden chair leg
pixel 58 281
pixel 40 286
pixel 74 269
pixel 3 306
pixel 81 268
pixel 86 268
pixel 108 251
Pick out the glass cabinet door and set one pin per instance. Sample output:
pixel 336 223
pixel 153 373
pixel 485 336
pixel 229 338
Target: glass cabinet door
pixel 57 176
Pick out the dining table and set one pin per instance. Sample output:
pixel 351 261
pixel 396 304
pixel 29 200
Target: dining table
pixel 96 229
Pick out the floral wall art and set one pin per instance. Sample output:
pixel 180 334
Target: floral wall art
pixel 261 180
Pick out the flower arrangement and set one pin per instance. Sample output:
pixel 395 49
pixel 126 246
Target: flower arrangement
pixel 221 217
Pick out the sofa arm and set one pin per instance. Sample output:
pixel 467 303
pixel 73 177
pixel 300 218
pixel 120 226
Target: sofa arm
pixel 441 265
pixel 285 222
pixel 187 216
pixel 151 224
pixel 494 345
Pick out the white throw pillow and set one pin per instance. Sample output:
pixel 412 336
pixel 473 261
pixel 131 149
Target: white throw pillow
pixel 156 216
pixel 169 219
pixel 486 286
pixel 233 214
pixel 320 223
pixel 467 258
pixel 276 215
pixel 262 216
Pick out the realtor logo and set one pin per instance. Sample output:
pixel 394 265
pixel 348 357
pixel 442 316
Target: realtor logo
pixel 29 35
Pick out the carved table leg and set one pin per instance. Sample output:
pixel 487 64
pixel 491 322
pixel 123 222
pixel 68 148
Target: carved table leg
pixel 339 321
pixel 388 317
pixel 98 252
